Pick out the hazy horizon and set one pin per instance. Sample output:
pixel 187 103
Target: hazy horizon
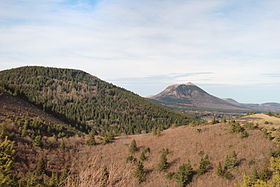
pixel 228 48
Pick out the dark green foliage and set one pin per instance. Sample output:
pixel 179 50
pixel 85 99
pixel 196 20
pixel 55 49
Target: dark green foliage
pixel 147 150
pixel 223 120
pixel 6 162
pixel 41 167
pixel 220 171
pixel 228 175
pixel 184 175
pixel 158 132
pixel 170 175
pixel 38 141
pixel 139 172
pixel 244 134
pixel 214 121
pixel 254 175
pixel 251 162
pixel 132 147
pixel 275 153
pixel 86 102
pixel 264 173
pixel 62 145
pixel 91 139
pixel 163 164
pixel 53 181
pixel 250 126
pixel 203 165
pixel 267 134
pixel 236 127
pixel 104 177
pixel 142 156
pixel 231 161
pixel 64 175
pixel 130 158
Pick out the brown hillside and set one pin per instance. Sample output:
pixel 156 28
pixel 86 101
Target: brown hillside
pixel 15 110
pixel 183 143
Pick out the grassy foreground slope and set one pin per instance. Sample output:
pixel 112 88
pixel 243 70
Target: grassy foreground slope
pixel 184 143
pixel 87 102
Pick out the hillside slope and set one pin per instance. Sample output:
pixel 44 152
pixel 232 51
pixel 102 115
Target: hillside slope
pixel 86 102
pixel 35 135
pixel 184 143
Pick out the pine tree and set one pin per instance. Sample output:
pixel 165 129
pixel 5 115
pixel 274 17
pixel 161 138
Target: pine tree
pixel 142 156
pixel 41 167
pixel 220 171
pixel 139 171
pixel 184 175
pixel 264 173
pixel 62 145
pixel 203 166
pixel 158 132
pixel 163 164
pixel 132 147
pixel 254 176
pixel 91 138
pixel 54 179
pixel 6 162
pixel 154 131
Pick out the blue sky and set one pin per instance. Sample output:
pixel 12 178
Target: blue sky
pixel 230 48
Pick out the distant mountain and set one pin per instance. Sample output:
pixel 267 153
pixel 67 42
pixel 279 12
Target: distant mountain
pixel 191 97
pixel 86 102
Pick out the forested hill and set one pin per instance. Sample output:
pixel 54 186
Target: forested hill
pixel 86 102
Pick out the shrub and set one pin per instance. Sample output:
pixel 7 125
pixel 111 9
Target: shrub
pixel 170 175
pixel 41 167
pixel 228 175
pixel 220 171
pixel 264 173
pixel 91 139
pixel 244 134
pixel 130 158
pixel 184 175
pixel 132 147
pixel 163 164
pixel 139 172
pixel 203 165
pixel 254 175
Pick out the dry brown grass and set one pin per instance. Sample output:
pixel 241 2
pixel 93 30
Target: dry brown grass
pixel 261 119
pixel 183 143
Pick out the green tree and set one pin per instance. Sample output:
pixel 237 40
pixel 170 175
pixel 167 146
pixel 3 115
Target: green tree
pixel 62 145
pixel 220 171
pixel 6 162
pixel 163 164
pixel 139 171
pixel 203 165
pixel 158 132
pixel 41 167
pixel 254 175
pixel 142 156
pixel 91 138
pixel 184 175
pixel 132 147
pixel 264 173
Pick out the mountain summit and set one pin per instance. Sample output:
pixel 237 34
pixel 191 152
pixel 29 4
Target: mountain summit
pixel 191 96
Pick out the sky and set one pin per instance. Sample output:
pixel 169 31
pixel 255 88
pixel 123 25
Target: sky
pixel 230 48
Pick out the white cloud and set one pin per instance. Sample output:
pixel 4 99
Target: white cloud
pixel 236 40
